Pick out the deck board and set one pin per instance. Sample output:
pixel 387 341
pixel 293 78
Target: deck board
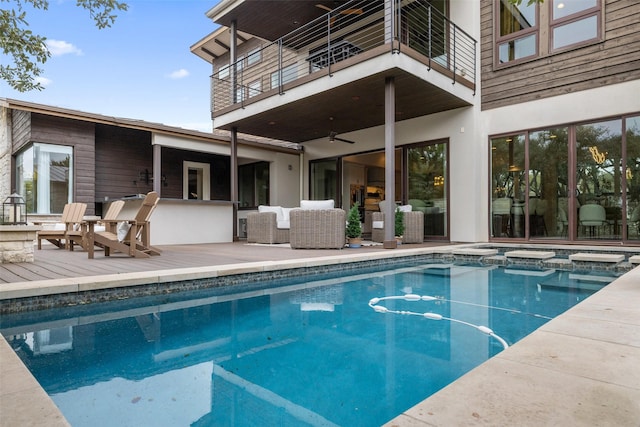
pixel 53 263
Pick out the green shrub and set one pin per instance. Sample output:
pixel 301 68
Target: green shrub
pixel 354 228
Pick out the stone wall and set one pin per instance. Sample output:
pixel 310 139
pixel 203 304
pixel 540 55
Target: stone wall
pixel 5 153
pixel 16 243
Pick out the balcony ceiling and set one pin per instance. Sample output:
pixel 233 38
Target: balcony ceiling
pixel 272 19
pixel 348 108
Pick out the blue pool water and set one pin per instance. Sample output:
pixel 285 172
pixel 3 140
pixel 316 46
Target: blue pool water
pixel 298 352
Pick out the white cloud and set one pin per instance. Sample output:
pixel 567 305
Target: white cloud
pixel 43 81
pixel 60 47
pixel 179 74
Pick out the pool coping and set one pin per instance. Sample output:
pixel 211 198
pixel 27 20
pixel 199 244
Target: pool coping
pixel 464 402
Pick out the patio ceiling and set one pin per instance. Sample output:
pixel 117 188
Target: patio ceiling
pixel 354 106
pixel 272 19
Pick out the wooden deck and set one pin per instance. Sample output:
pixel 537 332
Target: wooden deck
pixel 54 263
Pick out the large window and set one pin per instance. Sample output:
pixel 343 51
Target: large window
pixel 420 177
pixel 427 185
pixel 324 176
pixel 253 184
pixel 517 31
pixel 548 178
pixel 632 176
pixel 508 183
pixel 44 177
pixel 574 22
pixel 578 182
pixel 525 31
pixel 599 179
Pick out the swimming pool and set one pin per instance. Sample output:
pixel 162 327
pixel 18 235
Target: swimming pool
pixel 298 353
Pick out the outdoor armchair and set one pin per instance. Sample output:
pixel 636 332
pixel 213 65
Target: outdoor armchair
pixel 72 215
pixel 317 225
pixel 413 226
pixel 132 236
pixel 269 225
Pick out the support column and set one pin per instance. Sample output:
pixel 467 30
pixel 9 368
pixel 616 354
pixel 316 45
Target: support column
pixel 234 180
pixel 157 169
pixel 389 162
pixel 233 57
pixel 233 52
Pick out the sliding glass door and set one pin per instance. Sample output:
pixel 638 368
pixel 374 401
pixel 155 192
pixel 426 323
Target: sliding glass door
pixel 580 182
pixel 548 175
pixel 427 186
pixel 632 176
pixel 599 180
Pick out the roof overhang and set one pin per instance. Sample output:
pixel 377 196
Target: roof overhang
pixel 215 137
pixel 217 44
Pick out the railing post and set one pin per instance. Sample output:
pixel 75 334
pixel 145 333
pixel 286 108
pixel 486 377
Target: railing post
pixel 475 46
pixel 233 58
pixel 280 91
pixel 430 29
pixel 398 29
pixel 454 54
pixel 329 44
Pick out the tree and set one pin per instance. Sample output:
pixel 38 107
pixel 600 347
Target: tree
pixel 25 51
pixel 354 228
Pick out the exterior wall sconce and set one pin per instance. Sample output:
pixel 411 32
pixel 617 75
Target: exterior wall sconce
pixel 14 210
pixel 145 177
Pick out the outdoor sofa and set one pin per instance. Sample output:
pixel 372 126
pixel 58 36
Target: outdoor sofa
pixel 315 224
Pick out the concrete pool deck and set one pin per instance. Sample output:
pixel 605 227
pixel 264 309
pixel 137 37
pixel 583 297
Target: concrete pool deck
pixel 582 368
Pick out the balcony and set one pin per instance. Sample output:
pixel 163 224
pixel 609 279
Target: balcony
pixel 329 73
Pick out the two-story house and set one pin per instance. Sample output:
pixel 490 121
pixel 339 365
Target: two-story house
pixel 498 121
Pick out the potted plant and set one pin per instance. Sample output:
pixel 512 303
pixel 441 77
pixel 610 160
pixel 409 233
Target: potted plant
pixel 354 228
pixel 399 225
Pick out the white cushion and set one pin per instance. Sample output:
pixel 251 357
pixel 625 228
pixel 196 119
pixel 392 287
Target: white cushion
pixel 283 224
pixel 286 214
pixel 405 208
pixel 122 230
pixel 276 209
pixel 377 224
pixel 317 204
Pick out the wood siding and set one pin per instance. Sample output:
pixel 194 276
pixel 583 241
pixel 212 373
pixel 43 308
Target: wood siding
pixel 122 158
pixel 20 129
pixel 79 135
pixel 615 59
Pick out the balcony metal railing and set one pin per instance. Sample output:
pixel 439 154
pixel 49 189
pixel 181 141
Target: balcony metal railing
pixel 352 29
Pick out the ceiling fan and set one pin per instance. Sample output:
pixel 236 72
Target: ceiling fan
pixel 333 138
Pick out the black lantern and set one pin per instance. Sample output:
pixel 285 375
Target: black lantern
pixel 14 210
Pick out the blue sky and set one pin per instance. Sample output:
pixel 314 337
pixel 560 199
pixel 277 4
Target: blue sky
pixel 140 68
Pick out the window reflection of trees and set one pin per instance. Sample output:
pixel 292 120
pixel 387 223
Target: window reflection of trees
pixel 426 172
pixel 599 162
pixel 632 176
